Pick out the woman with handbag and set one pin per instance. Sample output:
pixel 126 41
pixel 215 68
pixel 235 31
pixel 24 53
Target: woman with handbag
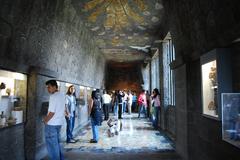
pixel 95 114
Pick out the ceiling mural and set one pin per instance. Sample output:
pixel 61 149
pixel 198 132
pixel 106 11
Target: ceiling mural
pixel 118 13
pixel 119 24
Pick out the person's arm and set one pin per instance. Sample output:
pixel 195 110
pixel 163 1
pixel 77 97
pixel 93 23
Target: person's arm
pixel 51 110
pixel 67 113
pixel 48 117
pixel 90 106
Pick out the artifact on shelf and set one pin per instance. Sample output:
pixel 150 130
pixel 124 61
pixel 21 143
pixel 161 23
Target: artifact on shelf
pixel 211 105
pixel 213 76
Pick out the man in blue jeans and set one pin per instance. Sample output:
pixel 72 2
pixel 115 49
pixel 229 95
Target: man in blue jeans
pixel 53 121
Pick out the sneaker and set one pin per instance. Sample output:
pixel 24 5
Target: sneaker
pixel 74 139
pixel 93 141
pixel 71 141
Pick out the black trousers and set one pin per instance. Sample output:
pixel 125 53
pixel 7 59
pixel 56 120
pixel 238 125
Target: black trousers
pixel 120 111
pixel 106 108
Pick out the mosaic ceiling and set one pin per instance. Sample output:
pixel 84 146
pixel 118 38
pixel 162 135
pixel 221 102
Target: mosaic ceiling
pixel 119 24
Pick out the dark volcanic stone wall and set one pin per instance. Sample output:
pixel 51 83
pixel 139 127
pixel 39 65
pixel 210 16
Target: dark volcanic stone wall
pixel 198 27
pixel 47 35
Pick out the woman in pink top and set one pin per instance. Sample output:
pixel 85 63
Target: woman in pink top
pixel 142 103
pixel 156 107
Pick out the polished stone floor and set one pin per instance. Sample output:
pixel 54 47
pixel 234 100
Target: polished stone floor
pixel 137 135
pixel 137 140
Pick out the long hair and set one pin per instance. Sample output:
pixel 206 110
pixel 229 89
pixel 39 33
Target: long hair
pixel 96 94
pixel 68 91
pixel 156 91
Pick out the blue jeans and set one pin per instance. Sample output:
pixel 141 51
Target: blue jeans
pixel 142 109
pixel 94 131
pixel 124 108
pixel 156 117
pixel 116 109
pixel 52 137
pixel 70 125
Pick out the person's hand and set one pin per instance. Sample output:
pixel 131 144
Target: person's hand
pixel 44 120
pixel 76 115
pixel 67 114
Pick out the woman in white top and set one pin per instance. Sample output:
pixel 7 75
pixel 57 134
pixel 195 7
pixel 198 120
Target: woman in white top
pixel 156 107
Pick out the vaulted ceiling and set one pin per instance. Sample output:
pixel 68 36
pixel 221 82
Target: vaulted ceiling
pixel 119 26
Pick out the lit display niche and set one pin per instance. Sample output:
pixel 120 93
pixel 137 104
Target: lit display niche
pixel 216 78
pixel 13 98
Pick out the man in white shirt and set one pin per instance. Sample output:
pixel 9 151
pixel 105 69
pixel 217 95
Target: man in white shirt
pixel 53 121
pixel 106 101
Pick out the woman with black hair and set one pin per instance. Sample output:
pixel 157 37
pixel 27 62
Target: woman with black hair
pixel 95 114
pixel 156 107
pixel 70 117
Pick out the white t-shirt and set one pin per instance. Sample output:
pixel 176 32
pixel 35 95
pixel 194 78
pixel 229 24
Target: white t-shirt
pixel 57 106
pixel 130 97
pixel 106 99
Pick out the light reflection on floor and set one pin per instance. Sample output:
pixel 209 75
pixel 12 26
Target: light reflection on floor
pixel 137 136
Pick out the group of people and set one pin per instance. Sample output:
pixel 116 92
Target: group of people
pixel 60 106
pixel 149 105
pixel 64 106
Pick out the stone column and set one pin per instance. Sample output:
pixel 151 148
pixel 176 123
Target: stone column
pixel 181 111
pixel 34 128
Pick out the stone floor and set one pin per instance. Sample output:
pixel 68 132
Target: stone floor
pixel 137 135
pixel 137 140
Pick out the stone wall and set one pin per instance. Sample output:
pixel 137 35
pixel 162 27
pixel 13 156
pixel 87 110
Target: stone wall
pixel 49 34
pixel 12 142
pixel 196 28
pixel 181 112
pixel 170 121
pixel 46 35
pixel 199 26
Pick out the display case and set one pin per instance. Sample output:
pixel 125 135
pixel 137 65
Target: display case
pixel 82 95
pixel 231 118
pixel 89 94
pixel 13 98
pixel 216 78
pixel 209 88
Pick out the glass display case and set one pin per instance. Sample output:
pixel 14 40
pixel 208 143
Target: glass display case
pixel 89 97
pixel 216 78
pixel 210 88
pixel 89 94
pixel 231 118
pixel 82 95
pixel 13 98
